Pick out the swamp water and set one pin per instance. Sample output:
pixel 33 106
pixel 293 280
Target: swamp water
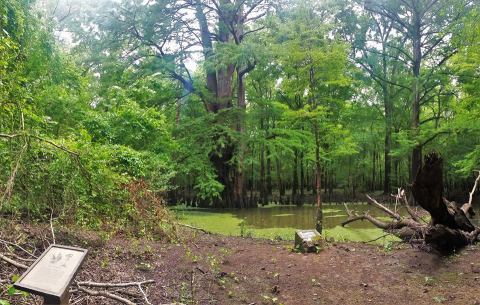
pixel 280 222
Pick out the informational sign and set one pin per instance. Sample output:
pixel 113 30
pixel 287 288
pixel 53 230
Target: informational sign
pixel 51 274
pixel 308 235
pixel 307 240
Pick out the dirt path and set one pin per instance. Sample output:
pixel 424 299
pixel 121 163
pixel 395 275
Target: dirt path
pixel 263 273
pixel 211 269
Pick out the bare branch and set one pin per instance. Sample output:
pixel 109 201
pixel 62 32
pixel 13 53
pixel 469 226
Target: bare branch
pixel 13 262
pixel 114 285
pixel 467 207
pixel 106 294
pixel 384 208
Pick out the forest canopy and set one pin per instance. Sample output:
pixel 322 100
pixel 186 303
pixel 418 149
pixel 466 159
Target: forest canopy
pixel 109 107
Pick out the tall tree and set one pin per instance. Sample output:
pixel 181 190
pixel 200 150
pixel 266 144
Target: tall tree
pixel 315 83
pixel 173 34
pixel 426 26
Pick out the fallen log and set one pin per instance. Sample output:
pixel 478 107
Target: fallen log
pixel 449 228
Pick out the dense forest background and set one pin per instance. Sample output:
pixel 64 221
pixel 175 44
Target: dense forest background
pixel 108 108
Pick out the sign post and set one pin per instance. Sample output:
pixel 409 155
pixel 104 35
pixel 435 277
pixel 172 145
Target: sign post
pixel 52 273
pixel 308 240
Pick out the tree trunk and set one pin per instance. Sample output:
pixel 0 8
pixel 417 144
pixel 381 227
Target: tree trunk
pixel 374 167
pixel 449 228
pixel 302 181
pixel 318 186
pixel 239 188
pixel 295 179
pixel 281 187
pixel 417 61
pixel 263 186
pixel 269 174
pixel 428 192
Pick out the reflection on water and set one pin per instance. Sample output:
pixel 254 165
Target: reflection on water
pixel 304 217
pixel 281 221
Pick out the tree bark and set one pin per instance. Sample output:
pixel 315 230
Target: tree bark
pixel 263 186
pixel 295 178
pixel 318 186
pixel 416 64
pixel 281 187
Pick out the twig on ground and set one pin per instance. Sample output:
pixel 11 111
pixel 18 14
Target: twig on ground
pixel 370 241
pixel 13 262
pixel 194 228
pixel 106 294
pixel 18 247
pixel 144 294
pixel 114 285
pixel 11 254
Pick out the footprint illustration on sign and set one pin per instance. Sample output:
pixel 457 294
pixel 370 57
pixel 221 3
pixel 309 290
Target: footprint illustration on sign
pixel 68 257
pixel 56 258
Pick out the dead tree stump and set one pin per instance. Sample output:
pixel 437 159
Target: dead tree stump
pixel 449 227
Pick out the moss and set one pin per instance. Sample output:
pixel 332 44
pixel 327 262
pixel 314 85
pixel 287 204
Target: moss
pixel 227 223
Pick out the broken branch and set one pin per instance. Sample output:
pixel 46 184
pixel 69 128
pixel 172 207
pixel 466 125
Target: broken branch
pixel 13 262
pixel 384 208
pixel 114 285
pixel 467 207
pixel 193 228
pixel 106 294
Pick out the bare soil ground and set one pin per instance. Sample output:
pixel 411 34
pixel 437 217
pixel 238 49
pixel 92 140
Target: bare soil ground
pixel 212 269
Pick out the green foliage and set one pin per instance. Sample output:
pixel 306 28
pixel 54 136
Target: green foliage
pixel 61 153
pixel 122 107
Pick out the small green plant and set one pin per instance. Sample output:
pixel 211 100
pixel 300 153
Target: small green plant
pixel 439 299
pixel 388 246
pixel 105 262
pixel 144 266
pixel 185 293
pixel 242 229
pixel 429 281
pixel 214 263
pixel 267 300
pixel 190 255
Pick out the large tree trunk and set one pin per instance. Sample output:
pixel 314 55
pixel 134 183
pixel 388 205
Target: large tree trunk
pixel 428 193
pixel 239 179
pixel 219 96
